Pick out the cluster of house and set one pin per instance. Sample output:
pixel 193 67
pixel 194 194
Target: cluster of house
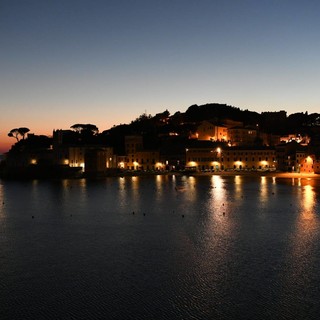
pixel 211 148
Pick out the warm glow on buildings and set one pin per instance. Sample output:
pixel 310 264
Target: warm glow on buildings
pixel 305 165
pixel 232 158
pixel 212 132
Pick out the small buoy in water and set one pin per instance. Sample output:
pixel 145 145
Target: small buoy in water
pixel 132 212
pixel 223 204
pixel 70 215
pixel 182 216
pixel 224 213
pixel 272 192
pixel 32 217
pixel 144 214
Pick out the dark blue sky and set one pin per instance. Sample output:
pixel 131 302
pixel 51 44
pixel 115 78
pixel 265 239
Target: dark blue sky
pixel 106 62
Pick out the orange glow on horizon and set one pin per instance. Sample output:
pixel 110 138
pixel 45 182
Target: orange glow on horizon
pixel 6 143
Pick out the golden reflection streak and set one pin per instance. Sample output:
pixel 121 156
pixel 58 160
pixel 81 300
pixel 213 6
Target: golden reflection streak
pixel 308 200
pixel 263 189
pixel 221 223
pixel 135 192
pixel 84 191
pixel 159 186
pixel 299 182
pixel 239 187
pixel 122 194
pixel 302 238
pixel 296 181
pixel 218 204
pixel 217 188
pixel 190 195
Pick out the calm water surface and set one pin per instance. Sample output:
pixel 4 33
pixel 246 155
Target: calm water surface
pixel 162 247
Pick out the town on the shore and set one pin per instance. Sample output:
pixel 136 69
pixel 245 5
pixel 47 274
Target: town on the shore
pixel 205 138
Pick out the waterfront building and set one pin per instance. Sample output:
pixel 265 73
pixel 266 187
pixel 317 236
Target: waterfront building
pixel 305 163
pixel 100 160
pixel 172 152
pixel 71 151
pixel 144 160
pixel 293 157
pixel 233 158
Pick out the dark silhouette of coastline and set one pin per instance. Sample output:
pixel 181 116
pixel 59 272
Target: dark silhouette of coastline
pixel 162 138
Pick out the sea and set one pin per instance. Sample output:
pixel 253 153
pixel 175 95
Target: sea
pixel 160 247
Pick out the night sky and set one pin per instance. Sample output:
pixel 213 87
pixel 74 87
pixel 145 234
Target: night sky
pixel 106 62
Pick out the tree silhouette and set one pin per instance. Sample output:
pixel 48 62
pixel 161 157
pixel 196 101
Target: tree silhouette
pixel 16 132
pixel 23 131
pixel 87 133
pixel 90 129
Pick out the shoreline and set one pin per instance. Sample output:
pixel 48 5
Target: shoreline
pixel 286 175
pixel 283 175
pixel 275 174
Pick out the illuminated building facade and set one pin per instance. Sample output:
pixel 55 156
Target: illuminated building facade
pixel 209 131
pixel 144 160
pixel 231 158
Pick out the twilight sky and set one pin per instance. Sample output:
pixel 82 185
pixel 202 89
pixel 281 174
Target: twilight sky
pixel 106 62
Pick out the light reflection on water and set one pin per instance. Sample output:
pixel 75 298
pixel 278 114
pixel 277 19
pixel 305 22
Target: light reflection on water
pixel 300 269
pixel 195 247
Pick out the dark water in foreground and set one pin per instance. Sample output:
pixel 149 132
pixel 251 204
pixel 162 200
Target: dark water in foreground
pixel 246 248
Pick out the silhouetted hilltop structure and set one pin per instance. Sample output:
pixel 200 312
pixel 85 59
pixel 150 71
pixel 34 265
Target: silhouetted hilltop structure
pixel 246 140
pixel 219 112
